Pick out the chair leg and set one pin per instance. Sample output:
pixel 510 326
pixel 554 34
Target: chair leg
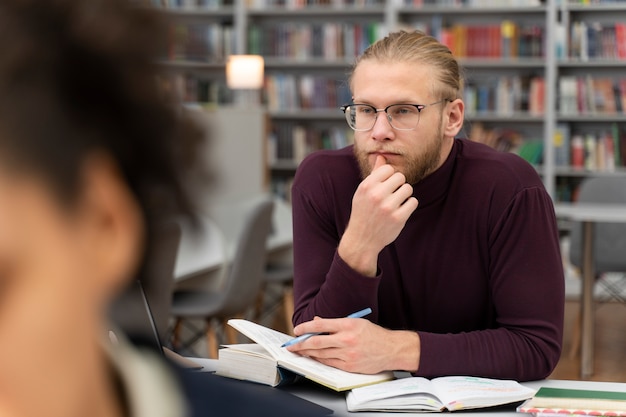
pixel 288 307
pixel 576 335
pixel 176 333
pixel 231 334
pixel 258 308
pixel 211 339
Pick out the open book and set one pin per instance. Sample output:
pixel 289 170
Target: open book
pixel 266 361
pixel 450 393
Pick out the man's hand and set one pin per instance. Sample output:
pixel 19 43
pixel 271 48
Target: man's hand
pixel 381 206
pixel 357 345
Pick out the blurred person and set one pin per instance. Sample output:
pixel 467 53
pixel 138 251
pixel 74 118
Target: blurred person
pixel 92 161
pixel 453 245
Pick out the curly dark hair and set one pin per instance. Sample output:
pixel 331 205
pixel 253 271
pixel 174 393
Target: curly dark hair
pixel 79 76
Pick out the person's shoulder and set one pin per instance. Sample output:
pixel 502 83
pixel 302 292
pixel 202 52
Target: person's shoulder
pixel 328 158
pixel 484 163
pixel 328 165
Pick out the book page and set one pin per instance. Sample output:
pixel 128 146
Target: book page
pixel 413 393
pixel 270 339
pixel 462 392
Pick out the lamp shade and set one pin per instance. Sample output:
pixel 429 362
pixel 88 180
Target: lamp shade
pixel 244 71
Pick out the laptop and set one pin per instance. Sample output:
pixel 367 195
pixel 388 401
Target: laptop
pixel 131 313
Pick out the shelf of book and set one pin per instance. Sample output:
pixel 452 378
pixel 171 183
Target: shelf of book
pixel 593 63
pixel 501 63
pixel 547 57
pixel 470 10
pixel 184 64
pixel 308 12
pixel 609 6
pixel 582 172
pixel 205 13
pixel 308 114
pixel 340 64
pixel 495 117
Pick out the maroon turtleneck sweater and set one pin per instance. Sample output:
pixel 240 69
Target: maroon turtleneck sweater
pixel 476 271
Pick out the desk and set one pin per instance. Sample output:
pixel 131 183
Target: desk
pixel 336 401
pixel 588 214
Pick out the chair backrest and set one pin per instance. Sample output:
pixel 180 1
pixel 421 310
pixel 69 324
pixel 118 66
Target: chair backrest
pixel 157 282
pixel 609 238
pixel 248 264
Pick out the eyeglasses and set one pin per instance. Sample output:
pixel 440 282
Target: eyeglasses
pixel 362 117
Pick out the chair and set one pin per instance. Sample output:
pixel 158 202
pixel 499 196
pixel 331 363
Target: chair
pixel 279 270
pixel 244 276
pixel 281 276
pixel 157 282
pixel 609 240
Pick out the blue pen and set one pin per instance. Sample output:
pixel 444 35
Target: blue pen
pixel 305 336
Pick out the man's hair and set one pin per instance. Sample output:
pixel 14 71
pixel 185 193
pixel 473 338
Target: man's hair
pixel 79 77
pixel 417 47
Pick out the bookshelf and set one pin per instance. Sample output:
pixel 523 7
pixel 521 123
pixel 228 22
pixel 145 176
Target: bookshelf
pixel 590 49
pixel 514 92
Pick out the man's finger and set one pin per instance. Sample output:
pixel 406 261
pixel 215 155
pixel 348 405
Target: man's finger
pixel 380 161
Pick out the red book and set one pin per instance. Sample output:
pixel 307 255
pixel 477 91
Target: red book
pixel 620 40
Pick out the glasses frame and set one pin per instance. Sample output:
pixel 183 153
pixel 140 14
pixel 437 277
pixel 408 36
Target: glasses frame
pixel 419 108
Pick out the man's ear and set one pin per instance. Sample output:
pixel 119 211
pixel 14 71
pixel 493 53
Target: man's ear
pixel 112 223
pixel 456 115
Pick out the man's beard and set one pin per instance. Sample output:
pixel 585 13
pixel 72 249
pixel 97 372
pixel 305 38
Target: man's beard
pixel 415 168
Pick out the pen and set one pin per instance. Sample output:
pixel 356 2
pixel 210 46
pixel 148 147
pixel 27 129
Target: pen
pixel 305 336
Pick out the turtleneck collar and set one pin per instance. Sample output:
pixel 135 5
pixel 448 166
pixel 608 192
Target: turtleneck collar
pixel 435 186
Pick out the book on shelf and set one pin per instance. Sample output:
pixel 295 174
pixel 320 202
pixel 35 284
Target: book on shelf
pixel 504 95
pixel 501 139
pixel 267 362
pixel 591 95
pixel 287 92
pixel 187 88
pixel 600 151
pixel 507 39
pixel 190 4
pixel 563 401
pixel 292 142
pixel 201 42
pixel 303 4
pixel 472 3
pixel 304 40
pixel 452 393
pixel 596 40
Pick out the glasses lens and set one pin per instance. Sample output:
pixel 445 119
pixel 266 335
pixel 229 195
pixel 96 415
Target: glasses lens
pixel 360 116
pixel 404 117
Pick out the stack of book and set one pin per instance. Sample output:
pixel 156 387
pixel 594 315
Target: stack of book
pixel 563 402
pixel 190 89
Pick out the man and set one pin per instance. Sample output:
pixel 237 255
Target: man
pixel 453 245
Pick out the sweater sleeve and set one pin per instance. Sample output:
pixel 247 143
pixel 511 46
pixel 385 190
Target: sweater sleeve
pixel 324 284
pixel 527 292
